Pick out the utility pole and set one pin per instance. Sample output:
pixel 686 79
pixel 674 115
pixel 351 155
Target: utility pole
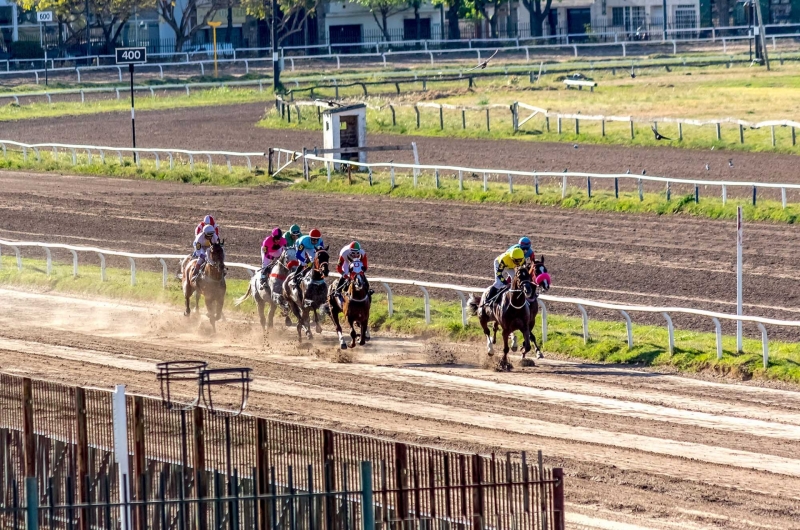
pixel 664 10
pixel 276 66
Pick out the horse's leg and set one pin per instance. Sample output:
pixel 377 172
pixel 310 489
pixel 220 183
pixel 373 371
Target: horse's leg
pixel 353 333
pixel 337 325
pixel 187 295
pixel 296 311
pixel 316 321
pixel 212 314
pixel 271 317
pixel 504 364
pixel 494 339
pixel 307 322
pixel 197 300
pixel 514 345
pixel 364 325
pixel 489 344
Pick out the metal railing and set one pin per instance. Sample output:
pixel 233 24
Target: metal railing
pixel 459 290
pixel 531 177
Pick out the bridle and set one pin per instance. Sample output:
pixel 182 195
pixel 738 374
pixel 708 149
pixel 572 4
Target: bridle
pixel 518 286
pixel 351 288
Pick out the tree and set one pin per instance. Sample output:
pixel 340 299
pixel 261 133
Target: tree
pixel 291 18
pixel 482 6
pixel 182 17
pixel 110 16
pixel 381 11
pixel 538 14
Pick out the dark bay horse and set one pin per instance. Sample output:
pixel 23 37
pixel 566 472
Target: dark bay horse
pixel 271 293
pixel 354 302
pixel 511 310
pixel 541 280
pixel 311 294
pixel 210 284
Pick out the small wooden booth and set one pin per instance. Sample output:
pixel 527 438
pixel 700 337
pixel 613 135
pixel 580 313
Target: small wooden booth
pixel 345 128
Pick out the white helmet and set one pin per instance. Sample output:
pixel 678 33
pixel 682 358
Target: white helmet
pixel 208 231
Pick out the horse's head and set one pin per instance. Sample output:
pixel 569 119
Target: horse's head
pixel 540 275
pixel 321 266
pixel 216 260
pixel 523 282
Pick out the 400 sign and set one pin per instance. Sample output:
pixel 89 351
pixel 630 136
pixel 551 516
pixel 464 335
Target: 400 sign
pixel 131 55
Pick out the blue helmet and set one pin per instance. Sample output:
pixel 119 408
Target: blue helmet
pixel 525 243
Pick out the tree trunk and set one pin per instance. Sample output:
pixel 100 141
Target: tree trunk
pixel 417 23
pixel 453 29
pixel 385 27
pixel 229 32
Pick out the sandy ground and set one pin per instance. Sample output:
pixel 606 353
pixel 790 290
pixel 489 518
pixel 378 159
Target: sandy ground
pixel 643 450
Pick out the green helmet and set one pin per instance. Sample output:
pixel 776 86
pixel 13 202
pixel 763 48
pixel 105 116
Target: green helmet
pixel 355 246
pixel 295 230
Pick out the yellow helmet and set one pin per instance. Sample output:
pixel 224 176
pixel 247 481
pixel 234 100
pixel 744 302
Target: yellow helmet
pixel 517 255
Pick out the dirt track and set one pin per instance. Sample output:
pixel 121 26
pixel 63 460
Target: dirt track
pixel 673 261
pixel 652 450
pixel 232 127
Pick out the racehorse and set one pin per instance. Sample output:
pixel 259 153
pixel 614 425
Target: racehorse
pixel 271 293
pixel 354 302
pixel 511 310
pixel 310 295
pixel 210 284
pixel 541 280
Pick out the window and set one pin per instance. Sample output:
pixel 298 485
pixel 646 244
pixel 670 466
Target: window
pixel 685 17
pixel 410 29
pixel 630 18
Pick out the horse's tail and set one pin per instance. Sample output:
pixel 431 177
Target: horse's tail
pixel 472 305
pixel 245 296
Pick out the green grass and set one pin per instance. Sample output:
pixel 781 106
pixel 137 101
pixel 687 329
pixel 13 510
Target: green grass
pixel 710 204
pixel 709 93
pixel 182 171
pixel 166 100
pixel 694 352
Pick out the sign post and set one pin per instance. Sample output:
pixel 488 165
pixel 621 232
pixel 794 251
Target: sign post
pixel 214 25
pixel 739 233
pixel 131 57
pixel 43 17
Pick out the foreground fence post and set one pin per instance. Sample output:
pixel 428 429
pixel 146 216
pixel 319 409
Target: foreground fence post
pixel 558 499
pixel 367 502
pixel 32 504
pixel 120 428
pixel 82 455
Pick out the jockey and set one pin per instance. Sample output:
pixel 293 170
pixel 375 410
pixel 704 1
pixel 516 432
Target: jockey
pixel 202 242
pixel 207 221
pixel 305 251
pixel 349 255
pixel 271 250
pixel 527 248
pixel 511 259
pixel 293 235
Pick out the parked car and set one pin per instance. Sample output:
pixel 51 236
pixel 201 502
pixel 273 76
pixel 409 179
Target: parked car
pixel 224 49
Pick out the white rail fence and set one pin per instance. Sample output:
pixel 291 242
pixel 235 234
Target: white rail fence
pixel 383 50
pixel 101 151
pixel 530 178
pixel 459 290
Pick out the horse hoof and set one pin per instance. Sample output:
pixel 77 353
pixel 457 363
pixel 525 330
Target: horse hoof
pixel 514 348
pixel 319 329
pixel 539 355
pixel 527 362
pixel 288 322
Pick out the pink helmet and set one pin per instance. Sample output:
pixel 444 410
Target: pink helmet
pixel 277 233
pixel 209 220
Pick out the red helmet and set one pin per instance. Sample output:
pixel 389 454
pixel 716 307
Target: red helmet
pixel 315 234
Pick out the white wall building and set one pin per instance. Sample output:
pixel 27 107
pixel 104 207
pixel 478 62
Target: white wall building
pixel 9 22
pixel 346 22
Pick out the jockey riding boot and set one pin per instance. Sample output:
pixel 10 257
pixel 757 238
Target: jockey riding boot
pixel 264 276
pixel 198 269
pixel 491 294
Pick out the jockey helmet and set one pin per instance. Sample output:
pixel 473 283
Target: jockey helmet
pixel 208 220
pixel 518 256
pixel 295 230
pixel 525 243
pixel 315 234
pixel 276 233
pixel 208 231
pixel 355 246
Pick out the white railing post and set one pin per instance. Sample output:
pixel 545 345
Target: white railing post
pixel 165 273
pixel 671 332
pixel 585 323
pixel 427 304
pixel 718 331
pixel 463 308
pixel 543 307
pixel 19 258
pixel 133 270
pixel 74 263
pixel 49 260
pixel 102 267
pixel 389 298
pixel 460 180
pixel 629 328
pixel 485 182
pixel 764 344
pixel 121 453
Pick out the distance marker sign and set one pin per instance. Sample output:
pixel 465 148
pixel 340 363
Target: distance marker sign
pixel 131 55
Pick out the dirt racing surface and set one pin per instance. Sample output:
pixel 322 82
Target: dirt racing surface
pixel 642 450
pixel 232 127
pixel 668 260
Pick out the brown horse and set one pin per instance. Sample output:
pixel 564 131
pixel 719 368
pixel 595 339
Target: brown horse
pixel 511 310
pixel 310 295
pixel 210 284
pixel 354 302
pixel 541 280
